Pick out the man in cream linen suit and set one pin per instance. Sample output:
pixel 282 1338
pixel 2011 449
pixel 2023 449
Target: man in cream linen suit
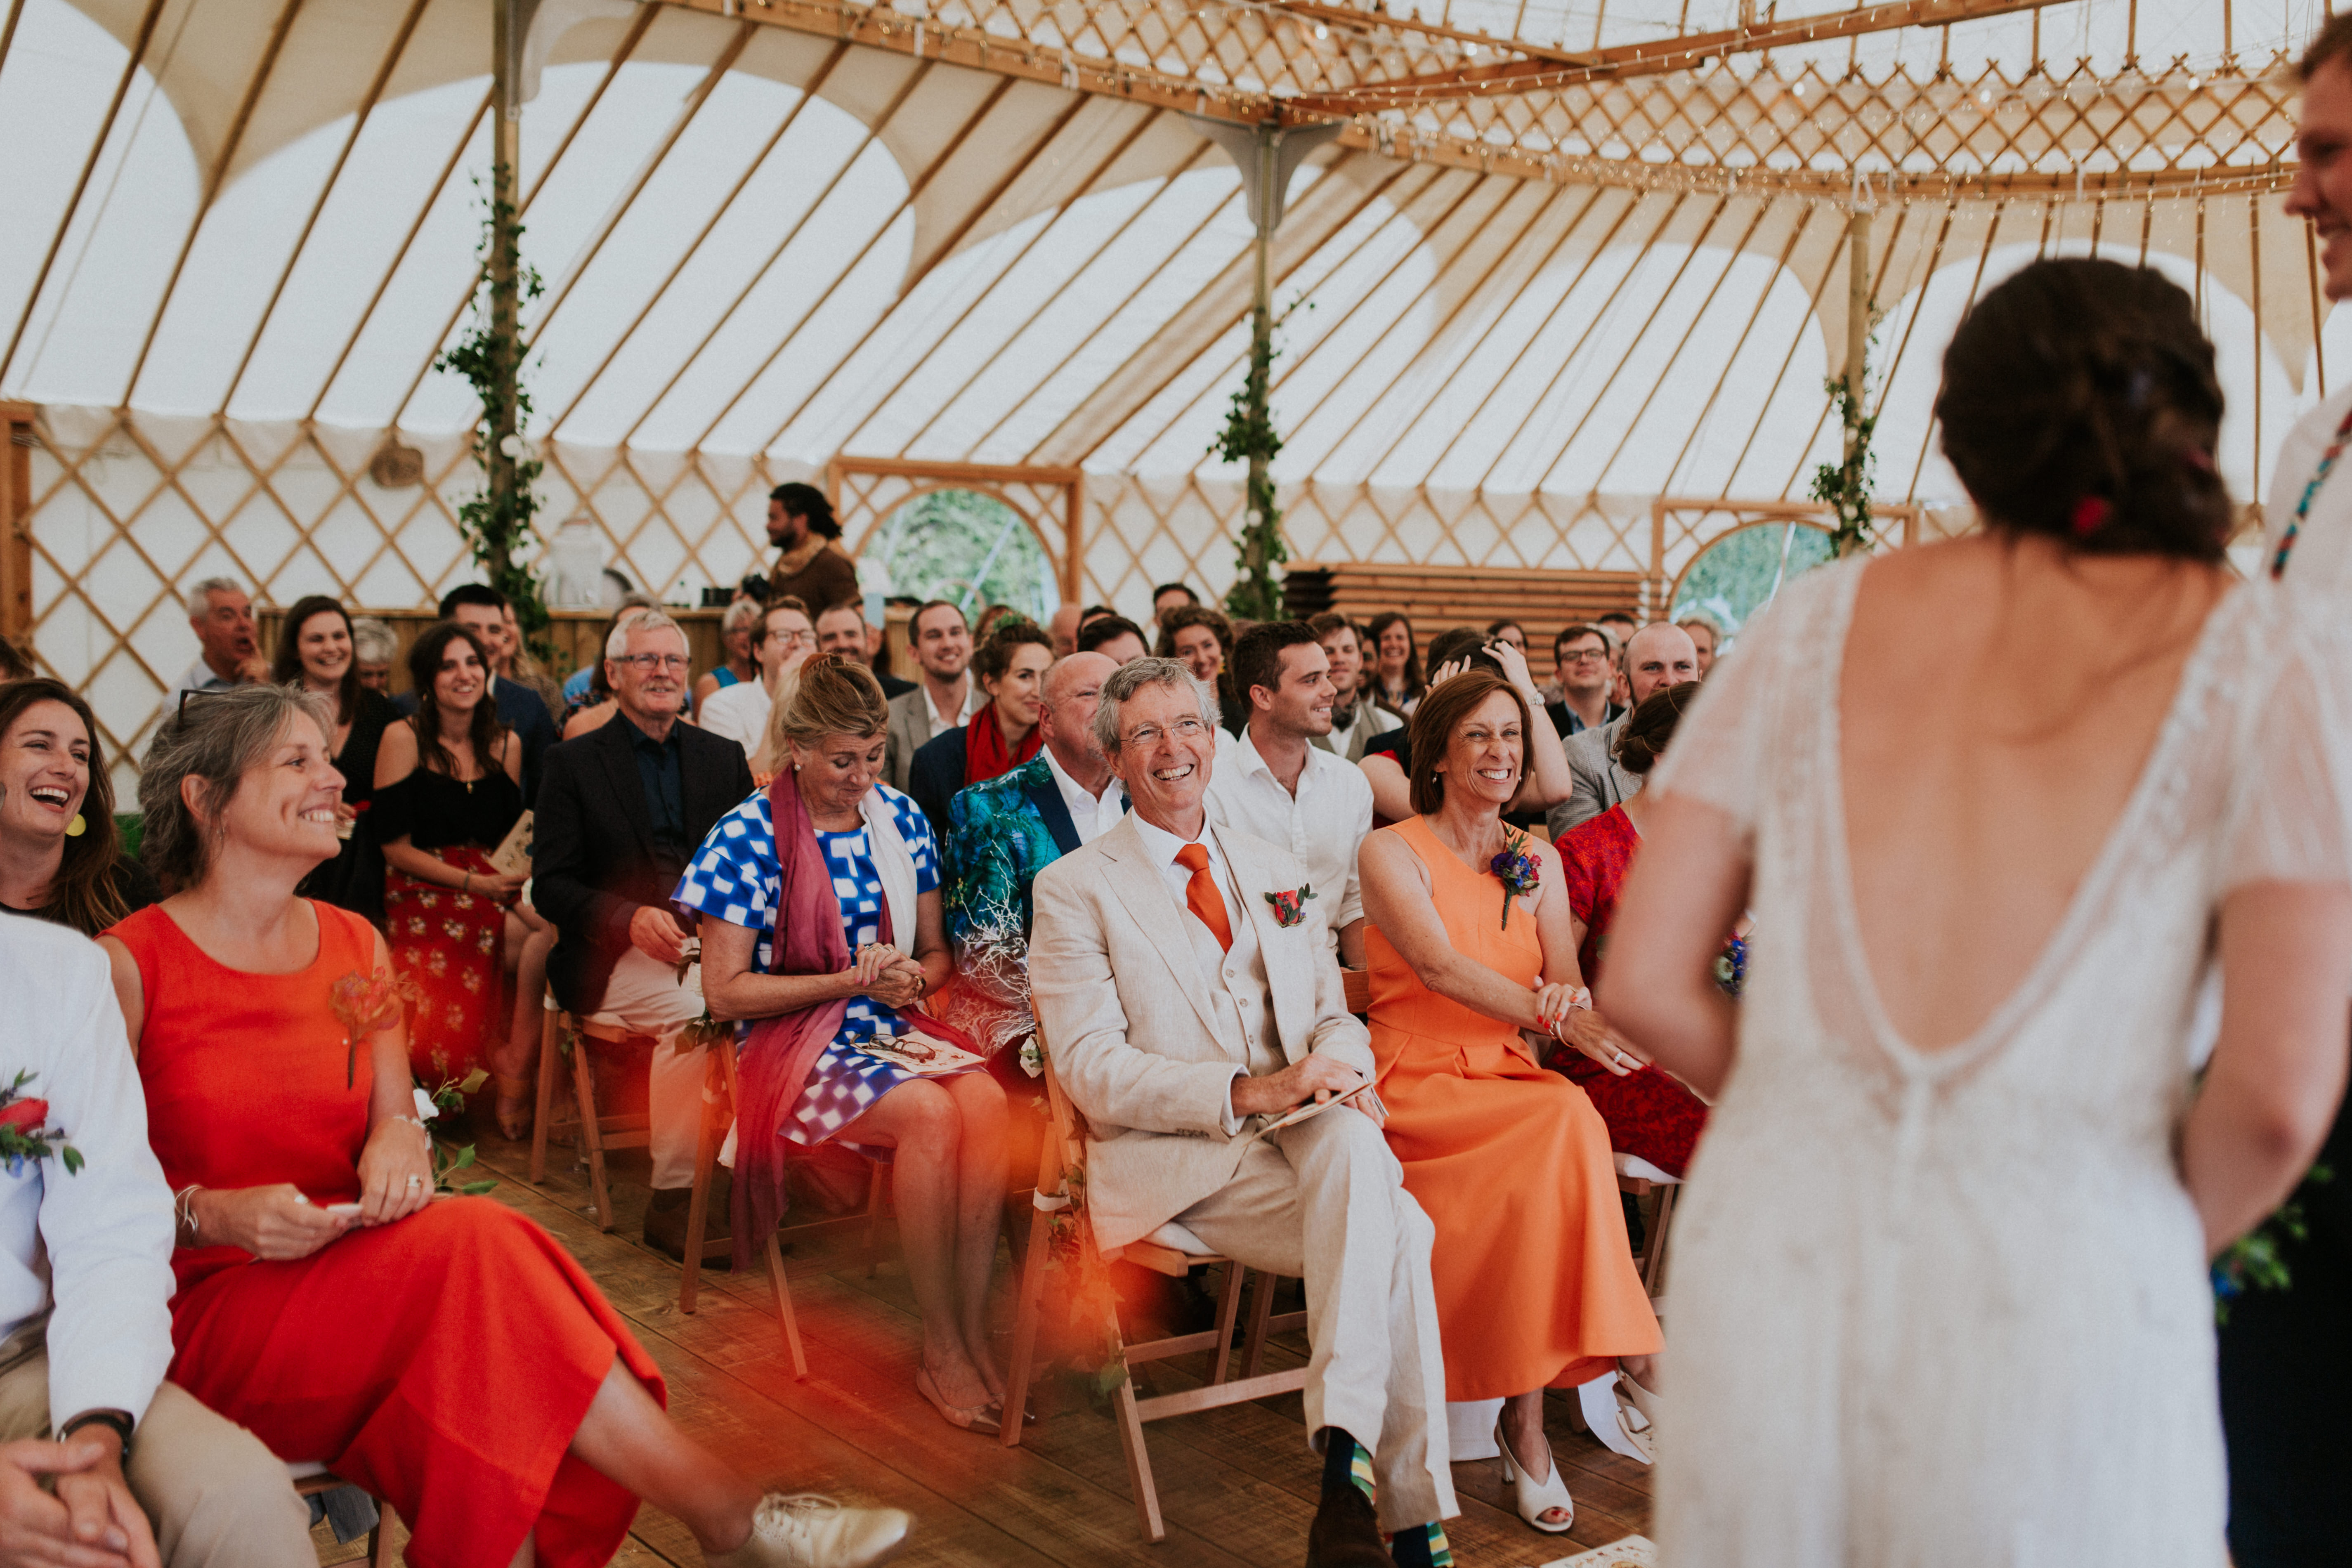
pixel 1183 1010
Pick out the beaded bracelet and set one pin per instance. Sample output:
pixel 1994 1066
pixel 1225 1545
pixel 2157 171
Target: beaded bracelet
pixel 183 1206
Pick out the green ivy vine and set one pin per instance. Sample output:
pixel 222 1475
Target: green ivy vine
pixel 1847 486
pixel 1249 436
pixel 497 520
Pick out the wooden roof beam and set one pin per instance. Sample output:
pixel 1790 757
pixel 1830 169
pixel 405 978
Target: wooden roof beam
pixel 1546 68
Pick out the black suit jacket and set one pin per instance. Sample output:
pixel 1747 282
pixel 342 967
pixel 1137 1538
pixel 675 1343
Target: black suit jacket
pixel 593 862
pixel 519 709
pixel 935 776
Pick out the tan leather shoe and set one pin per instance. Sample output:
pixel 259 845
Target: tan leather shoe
pixel 805 1531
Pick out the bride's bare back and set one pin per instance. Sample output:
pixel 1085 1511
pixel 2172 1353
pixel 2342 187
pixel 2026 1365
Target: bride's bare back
pixel 1997 704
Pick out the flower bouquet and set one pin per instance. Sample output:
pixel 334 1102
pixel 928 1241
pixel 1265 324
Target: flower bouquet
pixel 24 1132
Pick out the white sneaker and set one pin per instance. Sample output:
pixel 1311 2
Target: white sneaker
pixel 805 1531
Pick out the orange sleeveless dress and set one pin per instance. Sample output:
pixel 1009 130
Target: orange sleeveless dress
pixel 1534 1276
pixel 443 1362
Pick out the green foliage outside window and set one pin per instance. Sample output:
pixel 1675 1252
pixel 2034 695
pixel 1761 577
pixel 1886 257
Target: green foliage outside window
pixel 1735 577
pixel 967 548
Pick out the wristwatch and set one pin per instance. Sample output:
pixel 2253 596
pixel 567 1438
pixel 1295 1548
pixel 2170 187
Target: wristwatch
pixel 114 1418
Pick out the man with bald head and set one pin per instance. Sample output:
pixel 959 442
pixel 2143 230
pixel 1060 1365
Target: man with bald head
pixel 1001 834
pixel 1658 656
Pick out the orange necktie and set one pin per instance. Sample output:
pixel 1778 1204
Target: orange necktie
pixel 1201 895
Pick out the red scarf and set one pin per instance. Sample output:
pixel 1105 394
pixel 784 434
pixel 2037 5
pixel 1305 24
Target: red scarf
pixel 984 756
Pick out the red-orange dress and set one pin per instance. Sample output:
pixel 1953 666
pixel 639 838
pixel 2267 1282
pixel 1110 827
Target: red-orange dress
pixel 443 1362
pixel 1534 1274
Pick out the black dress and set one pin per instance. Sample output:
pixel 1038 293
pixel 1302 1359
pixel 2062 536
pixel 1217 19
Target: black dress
pixel 133 885
pixel 353 879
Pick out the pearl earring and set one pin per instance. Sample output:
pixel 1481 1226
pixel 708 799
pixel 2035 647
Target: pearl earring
pixel 76 827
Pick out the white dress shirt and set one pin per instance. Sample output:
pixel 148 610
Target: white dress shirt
pixel 199 678
pixel 96 1244
pixel 1368 719
pixel 740 712
pixel 2322 558
pixel 974 699
pixel 1324 823
pixel 1091 814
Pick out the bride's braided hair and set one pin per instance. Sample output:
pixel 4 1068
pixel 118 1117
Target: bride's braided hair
pixel 2079 401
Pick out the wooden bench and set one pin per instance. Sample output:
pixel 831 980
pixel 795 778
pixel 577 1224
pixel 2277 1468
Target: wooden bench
pixel 1436 597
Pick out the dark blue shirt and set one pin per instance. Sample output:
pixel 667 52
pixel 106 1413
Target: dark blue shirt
pixel 664 779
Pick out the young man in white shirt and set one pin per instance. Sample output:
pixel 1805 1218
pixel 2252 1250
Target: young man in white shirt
pixel 740 712
pixel 943 700
pixel 1279 787
pixel 143 1473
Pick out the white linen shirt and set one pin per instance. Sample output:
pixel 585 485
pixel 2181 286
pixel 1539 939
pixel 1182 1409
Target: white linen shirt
pixel 974 699
pixel 1325 824
pixel 2322 560
pixel 1091 814
pixel 740 712
pixel 96 1244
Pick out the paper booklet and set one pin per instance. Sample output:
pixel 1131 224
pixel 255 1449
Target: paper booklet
pixel 513 857
pixel 1312 1110
pixel 918 1053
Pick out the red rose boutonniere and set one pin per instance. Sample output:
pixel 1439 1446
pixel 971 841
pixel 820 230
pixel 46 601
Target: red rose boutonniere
pixel 24 1134
pixel 1290 908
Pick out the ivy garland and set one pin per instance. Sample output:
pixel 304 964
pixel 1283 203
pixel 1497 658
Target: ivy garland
pixel 497 518
pixel 1847 486
pixel 1249 436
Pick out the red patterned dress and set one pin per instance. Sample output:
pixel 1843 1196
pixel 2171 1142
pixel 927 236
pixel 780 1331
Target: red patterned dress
pixel 1650 1115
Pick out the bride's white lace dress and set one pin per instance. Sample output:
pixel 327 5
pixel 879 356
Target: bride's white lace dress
pixel 1951 1308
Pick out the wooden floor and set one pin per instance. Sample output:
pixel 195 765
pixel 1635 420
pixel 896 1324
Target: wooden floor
pixel 1237 1486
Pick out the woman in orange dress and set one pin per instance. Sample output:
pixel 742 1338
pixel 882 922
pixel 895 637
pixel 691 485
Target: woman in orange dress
pixel 448 1356
pixel 1468 944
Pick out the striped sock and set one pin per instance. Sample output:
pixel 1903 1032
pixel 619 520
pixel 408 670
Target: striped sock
pixel 1347 1462
pixel 1424 1546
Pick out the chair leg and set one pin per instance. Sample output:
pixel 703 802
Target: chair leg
pixel 698 1211
pixel 583 1082
pixel 1027 1304
pixel 548 1033
pixel 1654 1245
pixel 784 1307
pixel 878 1176
pixel 1131 1438
pixel 1229 1307
pixel 379 1546
pixel 1261 1313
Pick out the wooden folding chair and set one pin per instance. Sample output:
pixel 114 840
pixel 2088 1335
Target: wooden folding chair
pixel 1064 1151
pixel 1653 1256
pixel 310 1480
pixel 716 1118
pixel 558 1031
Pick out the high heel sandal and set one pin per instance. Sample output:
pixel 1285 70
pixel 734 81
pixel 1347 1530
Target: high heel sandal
pixel 512 1106
pixel 1535 1499
pixel 1616 1418
pixel 983 1418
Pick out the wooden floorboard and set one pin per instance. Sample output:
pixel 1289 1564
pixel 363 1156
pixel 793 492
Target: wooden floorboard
pixel 1237 1486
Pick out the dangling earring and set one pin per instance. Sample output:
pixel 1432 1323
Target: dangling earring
pixel 76 827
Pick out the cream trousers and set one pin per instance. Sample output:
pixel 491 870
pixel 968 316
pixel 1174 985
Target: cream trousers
pixel 1325 1201
pixel 216 1497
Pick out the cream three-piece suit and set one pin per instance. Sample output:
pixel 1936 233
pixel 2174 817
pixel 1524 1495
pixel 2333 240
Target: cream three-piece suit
pixel 1148 1023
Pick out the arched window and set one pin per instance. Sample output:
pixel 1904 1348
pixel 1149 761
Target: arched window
pixel 1738 573
pixel 968 548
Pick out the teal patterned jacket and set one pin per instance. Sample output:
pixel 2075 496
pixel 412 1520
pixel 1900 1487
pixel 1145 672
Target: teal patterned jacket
pixel 1001 834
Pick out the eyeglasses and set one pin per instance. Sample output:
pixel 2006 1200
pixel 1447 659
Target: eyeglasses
pixel 1148 734
pixel 793 639
pixel 195 693
pixel 1585 655
pixel 676 663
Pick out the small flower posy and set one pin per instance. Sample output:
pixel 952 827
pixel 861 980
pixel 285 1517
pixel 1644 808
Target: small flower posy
pixel 366 1005
pixel 1520 872
pixel 1290 907
pixel 24 1135
pixel 450 1095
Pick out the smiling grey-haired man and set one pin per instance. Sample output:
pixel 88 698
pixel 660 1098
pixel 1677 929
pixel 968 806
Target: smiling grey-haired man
pixel 1185 1002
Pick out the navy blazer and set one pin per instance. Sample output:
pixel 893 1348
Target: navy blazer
pixel 935 774
pixel 592 861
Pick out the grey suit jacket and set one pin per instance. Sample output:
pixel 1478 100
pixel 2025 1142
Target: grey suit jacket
pixel 909 728
pixel 1134 1039
pixel 1600 783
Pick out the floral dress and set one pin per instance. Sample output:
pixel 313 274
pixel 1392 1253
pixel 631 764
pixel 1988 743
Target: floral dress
pixel 735 877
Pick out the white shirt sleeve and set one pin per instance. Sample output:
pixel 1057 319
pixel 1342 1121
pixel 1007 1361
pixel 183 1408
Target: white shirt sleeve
pixel 106 1228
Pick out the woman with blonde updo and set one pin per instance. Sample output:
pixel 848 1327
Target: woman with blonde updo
pixel 822 934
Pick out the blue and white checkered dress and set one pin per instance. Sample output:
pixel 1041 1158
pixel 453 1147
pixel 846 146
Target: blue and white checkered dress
pixel 735 877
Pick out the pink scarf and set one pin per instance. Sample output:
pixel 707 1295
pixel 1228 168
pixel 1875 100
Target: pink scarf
pixel 774 1060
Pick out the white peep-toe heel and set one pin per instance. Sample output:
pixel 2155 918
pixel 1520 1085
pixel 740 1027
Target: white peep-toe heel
pixel 1534 1498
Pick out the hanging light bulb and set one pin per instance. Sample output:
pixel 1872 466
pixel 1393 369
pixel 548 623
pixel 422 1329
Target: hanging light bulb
pixel 1321 31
